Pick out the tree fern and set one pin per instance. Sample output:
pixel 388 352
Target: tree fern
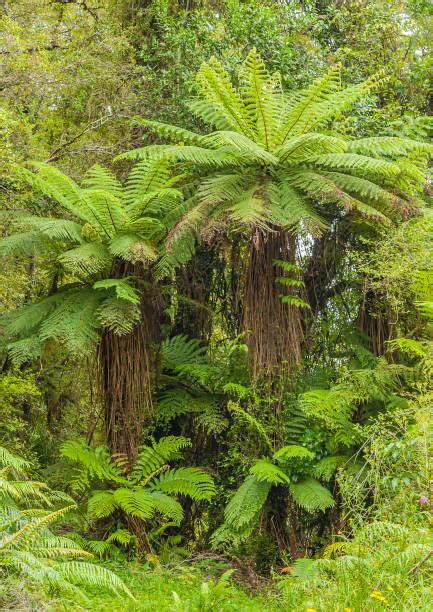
pixel 105 223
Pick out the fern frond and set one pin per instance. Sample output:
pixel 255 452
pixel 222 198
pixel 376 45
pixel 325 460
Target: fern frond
pixel 265 471
pixel 239 412
pixel 192 482
pixel 101 504
pixel 311 495
pixel 181 350
pixel 89 574
pixel 225 107
pixel 171 132
pixel 247 502
pixel 293 451
pixel 100 178
pixel 117 315
pixel 122 289
pixel 87 259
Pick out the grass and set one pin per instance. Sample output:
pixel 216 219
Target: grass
pixel 188 587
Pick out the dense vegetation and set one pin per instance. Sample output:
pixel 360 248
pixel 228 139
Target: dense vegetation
pixel 216 305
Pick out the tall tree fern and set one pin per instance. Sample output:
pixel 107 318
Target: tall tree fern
pixel 100 247
pixel 273 170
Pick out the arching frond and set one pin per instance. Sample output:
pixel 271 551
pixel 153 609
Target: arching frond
pixel 102 179
pixel 265 471
pixel 311 495
pixel 225 105
pixel 174 133
pixel 246 503
pixel 192 482
pixel 87 259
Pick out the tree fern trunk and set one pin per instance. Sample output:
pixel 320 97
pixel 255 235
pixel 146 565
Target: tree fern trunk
pixel 126 368
pixel 274 328
pixel 375 323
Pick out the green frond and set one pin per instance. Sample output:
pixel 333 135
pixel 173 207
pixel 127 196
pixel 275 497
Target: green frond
pixel 192 482
pixel 135 502
pixel 265 471
pixel 188 153
pixel 121 536
pixel 89 574
pixel 25 244
pixel 117 315
pixel 388 145
pixel 261 102
pixel 151 458
pixel 56 229
pixel 239 144
pixel 289 209
pixel 122 289
pixel 101 504
pixel 181 350
pixel 301 148
pixel 293 451
pixel 100 178
pixel 87 259
pixel 132 247
pixel 25 350
pixel 103 211
pixel 246 503
pixel 167 506
pixel 311 495
pixel 54 184
pixel 356 163
pixel 249 209
pixel 171 132
pixel 96 462
pixel 170 447
pixel 338 103
pixel 226 108
pixel 221 188
pixel 73 320
pixel 31 529
pixel 24 321
pixel 326 467
pixel 252 422
pixel 306 107
pixel 8 459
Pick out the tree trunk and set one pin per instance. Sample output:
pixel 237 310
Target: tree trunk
pixel 126 367
pixel 374 322
pixel 274 328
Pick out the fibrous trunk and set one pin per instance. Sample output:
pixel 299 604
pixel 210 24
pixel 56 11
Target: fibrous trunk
pixel 374 322
pixel 126 367
pixel 273 327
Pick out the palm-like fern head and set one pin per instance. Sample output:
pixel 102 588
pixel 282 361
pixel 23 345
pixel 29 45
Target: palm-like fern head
pixel 101 224
pixel 149 488
pixel 273 159
pixel 28 546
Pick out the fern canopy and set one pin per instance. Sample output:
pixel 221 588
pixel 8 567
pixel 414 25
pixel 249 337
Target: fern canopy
pixel 271 160
pixel 100 227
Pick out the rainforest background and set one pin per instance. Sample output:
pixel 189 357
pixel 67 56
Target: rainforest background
pixel 216 305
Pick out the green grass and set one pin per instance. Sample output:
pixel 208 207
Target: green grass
pixel 186 588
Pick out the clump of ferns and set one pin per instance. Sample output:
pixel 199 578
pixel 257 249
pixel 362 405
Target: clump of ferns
pixel 144 493
pixel 31 550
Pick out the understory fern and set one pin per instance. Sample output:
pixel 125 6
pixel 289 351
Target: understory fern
pixel 30 549
pixel 150 488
